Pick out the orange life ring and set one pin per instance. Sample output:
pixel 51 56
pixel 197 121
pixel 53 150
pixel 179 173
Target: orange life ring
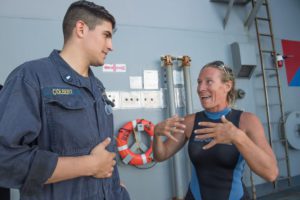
pixel 127 155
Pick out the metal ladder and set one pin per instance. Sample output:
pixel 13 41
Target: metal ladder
pixel 267 52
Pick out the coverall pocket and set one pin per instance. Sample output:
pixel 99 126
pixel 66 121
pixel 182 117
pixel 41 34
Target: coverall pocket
pixel 69 124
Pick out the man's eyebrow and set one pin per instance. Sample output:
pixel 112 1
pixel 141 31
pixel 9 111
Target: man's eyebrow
pixel 108 33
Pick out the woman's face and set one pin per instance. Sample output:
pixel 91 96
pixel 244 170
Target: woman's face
pixel 211 90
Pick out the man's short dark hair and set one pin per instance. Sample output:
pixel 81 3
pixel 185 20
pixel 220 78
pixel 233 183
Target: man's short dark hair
pixel 88 12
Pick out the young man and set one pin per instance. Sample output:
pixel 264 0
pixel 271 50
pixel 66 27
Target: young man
pixel 56 123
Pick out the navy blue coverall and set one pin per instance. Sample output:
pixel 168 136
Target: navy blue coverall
pixel 47 110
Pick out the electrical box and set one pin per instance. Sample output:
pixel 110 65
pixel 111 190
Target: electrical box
pixel 244 59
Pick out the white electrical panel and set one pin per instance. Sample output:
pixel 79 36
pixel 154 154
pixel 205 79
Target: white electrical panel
pixel 136 99
pixel 130 99
pixel 152 99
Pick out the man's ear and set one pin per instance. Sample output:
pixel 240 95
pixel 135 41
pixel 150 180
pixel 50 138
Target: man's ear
pixel 80 28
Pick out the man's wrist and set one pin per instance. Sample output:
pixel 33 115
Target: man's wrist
pixel 87 162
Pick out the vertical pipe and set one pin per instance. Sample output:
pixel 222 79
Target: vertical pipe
pixel 177 165
pixel 185 64
pixel 187 83
pixel 168 64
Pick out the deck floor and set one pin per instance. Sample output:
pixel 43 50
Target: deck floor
pixel 288 194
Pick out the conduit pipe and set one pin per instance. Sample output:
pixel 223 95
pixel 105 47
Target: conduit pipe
pixel 177 169
pixel 185 64
pixel 168 64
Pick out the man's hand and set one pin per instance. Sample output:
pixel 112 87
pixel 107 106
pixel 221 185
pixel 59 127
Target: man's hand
pixel 103 160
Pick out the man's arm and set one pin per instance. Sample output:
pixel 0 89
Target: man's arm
pixel 99 163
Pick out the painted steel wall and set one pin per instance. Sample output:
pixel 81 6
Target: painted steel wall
pixel 146 30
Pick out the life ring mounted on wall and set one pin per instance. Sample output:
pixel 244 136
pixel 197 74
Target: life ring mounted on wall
pixel 138 153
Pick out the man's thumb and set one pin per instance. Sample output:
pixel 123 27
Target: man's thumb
pixel 106 142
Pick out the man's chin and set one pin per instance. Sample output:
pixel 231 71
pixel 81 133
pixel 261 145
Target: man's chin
pixel 97 65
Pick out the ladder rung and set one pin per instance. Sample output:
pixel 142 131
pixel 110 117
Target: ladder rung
pixel 274 104
pixel 270 122
pixel 279 140
pixel 260 74
pixel 272 75
pixel 282 178
pixel 262 18
pixel 269 68
pixel 270 105
pixel 265 34
pixel 267 51
pixel 281 158
pixel 264 3
pixel 274 86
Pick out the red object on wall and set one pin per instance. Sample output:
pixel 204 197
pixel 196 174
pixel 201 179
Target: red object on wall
pixel 292 63
pixel 279 60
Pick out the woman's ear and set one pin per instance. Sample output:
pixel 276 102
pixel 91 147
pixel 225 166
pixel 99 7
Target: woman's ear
pixel 228 85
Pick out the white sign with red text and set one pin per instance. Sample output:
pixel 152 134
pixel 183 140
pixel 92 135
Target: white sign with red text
pixel 114 68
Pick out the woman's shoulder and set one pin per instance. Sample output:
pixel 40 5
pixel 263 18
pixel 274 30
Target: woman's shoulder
pixel 249 119
pixel 248 116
